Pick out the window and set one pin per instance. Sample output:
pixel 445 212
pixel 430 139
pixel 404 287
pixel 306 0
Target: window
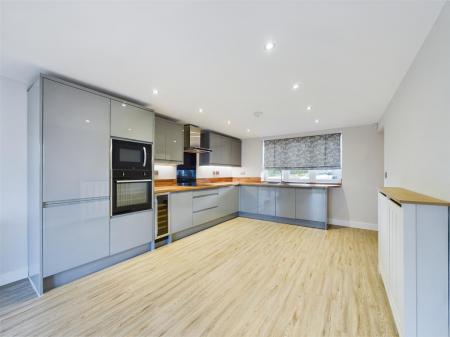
pixel 272 175
pixel 311 159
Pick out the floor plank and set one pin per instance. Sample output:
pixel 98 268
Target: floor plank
pixel 241 278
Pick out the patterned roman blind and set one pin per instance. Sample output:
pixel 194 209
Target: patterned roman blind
pixel 311 152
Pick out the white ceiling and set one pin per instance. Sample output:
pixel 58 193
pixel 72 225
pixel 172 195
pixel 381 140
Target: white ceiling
pixel 349 55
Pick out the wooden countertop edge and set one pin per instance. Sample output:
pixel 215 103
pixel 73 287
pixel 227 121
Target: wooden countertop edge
pixel 405 196
pixel 174 189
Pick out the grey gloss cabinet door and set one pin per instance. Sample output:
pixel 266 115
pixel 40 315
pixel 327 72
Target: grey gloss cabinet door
pixel 175 142
pixel 236 150
pixel 266 200
pixel 248 199
pixel 285 203
pixel 228 200
pixel 169 140
pixel 131 122
pixel 311 204
pixel 130 231
pixel 76 127
pixel 74 234
pixel 180 215
pixel 160 138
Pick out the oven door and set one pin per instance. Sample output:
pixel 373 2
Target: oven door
pixel 129 155
pixel 131 196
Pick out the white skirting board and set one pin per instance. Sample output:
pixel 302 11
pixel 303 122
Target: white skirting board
pixel 353 224
pixel 12 276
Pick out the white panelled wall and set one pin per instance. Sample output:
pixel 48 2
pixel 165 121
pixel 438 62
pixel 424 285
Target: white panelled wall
pixel 13 181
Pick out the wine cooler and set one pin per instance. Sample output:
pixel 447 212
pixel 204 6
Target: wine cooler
pixel 162 216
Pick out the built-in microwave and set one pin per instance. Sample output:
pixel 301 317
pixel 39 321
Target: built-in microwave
pixel 132 187
pixel 131 155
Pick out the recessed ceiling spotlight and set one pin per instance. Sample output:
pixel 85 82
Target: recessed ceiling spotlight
pixel 87 121
pixel 269 45
pixel 200 110
pixel 295 86
pixel 229 122
pixel 248 130
pixel 155 92
pixel 309 108
pixel 316 121
pixel 124 105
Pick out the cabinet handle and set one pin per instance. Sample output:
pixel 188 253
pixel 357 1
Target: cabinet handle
pixel 133 181
pixel 145 156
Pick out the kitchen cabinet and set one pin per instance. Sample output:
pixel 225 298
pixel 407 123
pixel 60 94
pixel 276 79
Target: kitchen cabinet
pixel 228 200
pixel 169 141
pixel 76 143
pixel 248 199
pixel 285 202
pixel 413 264
pixel 180 215
pixel 266 200
pixel 131 122
pixel 225 150
pixel 236 152
pixel 311 204
pixel 130 231
pixel 74 234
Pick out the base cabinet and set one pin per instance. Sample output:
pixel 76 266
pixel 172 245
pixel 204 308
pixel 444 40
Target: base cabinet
pixel 413 263
pixel 248 199
pixel 130 231
pixel 228 200
pixel 74 234
pixel 266 200
pixel 180 215
pixel 285 203
pixel 311 204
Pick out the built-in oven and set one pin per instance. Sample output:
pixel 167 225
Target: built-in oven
pixel 132 187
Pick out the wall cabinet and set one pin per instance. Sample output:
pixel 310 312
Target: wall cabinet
pixel 169 141
pixel 180 215
pixel 285 202
pixel 225 150
pixel 248 199
pixel 74 234
pixel 131 122
pixel 413 263
pixel 130 231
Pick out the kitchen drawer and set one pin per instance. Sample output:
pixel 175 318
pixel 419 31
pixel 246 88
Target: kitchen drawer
pixel 203 202
pixel 206 215
pixel 205 192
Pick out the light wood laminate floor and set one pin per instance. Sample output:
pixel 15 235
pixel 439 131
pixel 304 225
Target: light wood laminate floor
pixel 241 278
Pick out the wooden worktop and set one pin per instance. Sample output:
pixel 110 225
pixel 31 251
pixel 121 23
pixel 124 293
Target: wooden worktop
pixel 404 196
pixel 203 186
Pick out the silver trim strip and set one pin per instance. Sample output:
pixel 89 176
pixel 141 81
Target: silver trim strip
pixel 133 181
pixel 48 204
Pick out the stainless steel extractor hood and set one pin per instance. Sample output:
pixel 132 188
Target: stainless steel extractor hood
pixel 192 139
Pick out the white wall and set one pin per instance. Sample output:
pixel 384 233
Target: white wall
pixel 13 181
pixel 355 203
pixel 417 121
